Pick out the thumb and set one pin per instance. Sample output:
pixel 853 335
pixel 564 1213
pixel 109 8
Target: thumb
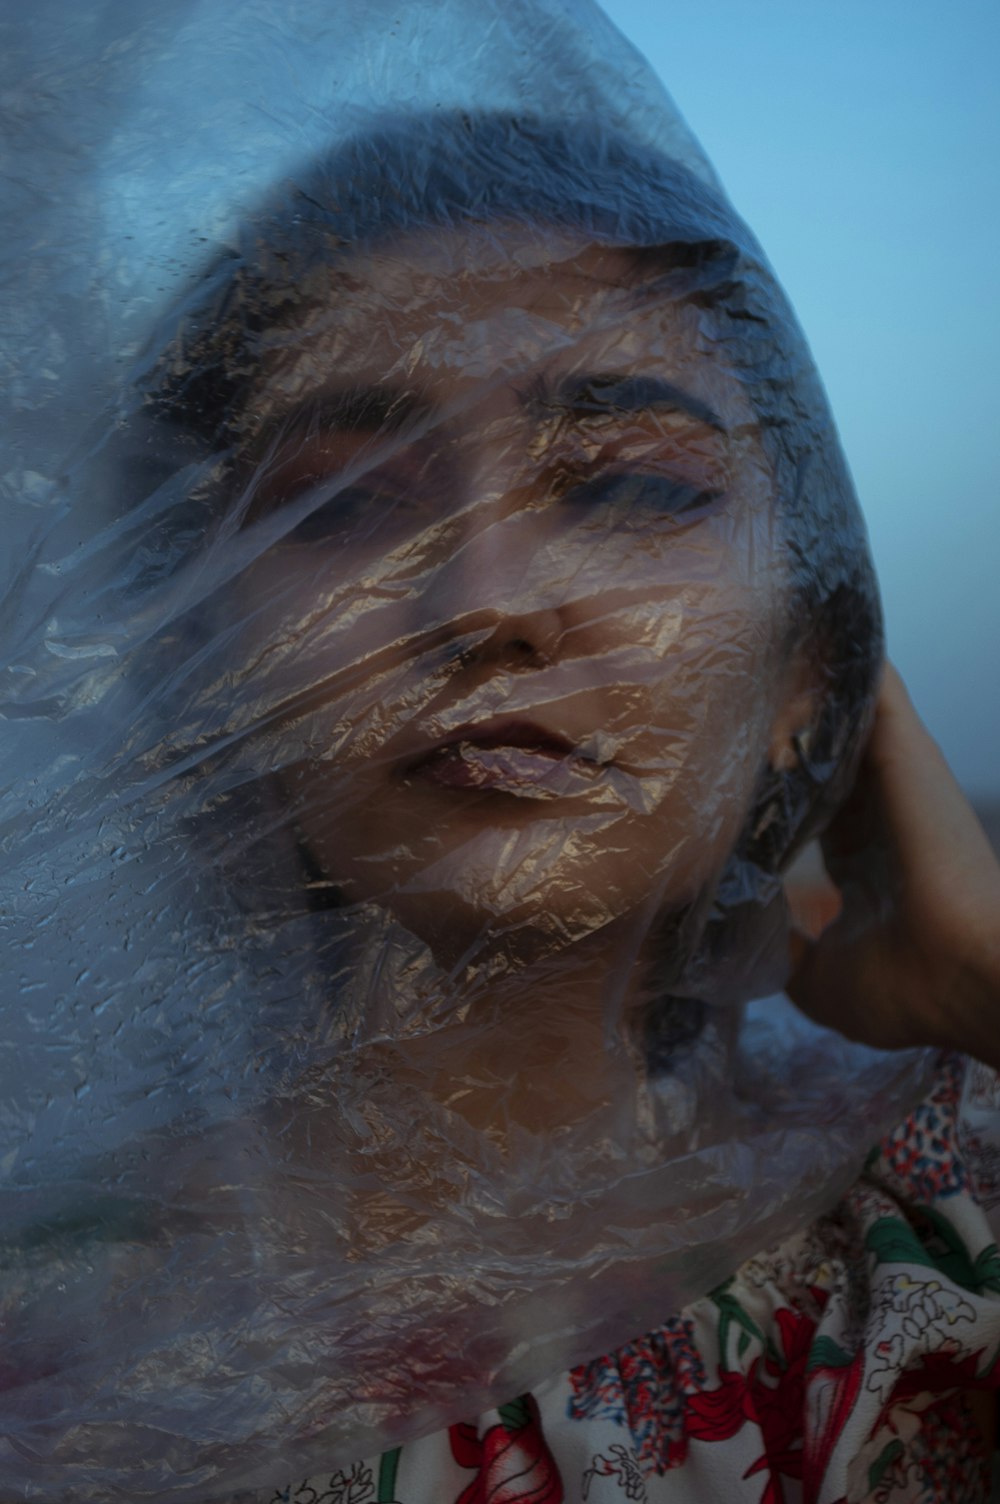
pixel 828 981
pixel 850 980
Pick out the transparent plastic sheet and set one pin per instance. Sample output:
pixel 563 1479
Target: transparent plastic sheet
pixel 435 611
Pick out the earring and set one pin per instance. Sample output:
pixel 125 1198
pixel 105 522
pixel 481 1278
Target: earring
pixel 802 746
pixel 795 753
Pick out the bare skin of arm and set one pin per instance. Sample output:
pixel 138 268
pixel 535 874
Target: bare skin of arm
pixel 914 956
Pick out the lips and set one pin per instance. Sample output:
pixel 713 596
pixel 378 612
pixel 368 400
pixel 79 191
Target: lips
pixel 513 757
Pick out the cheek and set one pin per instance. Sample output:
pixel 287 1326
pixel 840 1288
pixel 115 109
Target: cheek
pixel 337 635
pixel 702 657
pixel 704 733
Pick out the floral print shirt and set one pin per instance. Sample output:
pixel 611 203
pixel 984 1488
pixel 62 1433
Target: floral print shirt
pixel 833 1369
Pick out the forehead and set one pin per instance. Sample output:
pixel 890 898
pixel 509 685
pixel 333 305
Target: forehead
pixel 446 311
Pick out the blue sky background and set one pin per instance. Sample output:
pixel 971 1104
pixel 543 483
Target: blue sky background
pixel 861 141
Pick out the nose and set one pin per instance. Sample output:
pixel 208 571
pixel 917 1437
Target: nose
pixel 518 641
pixel 499 593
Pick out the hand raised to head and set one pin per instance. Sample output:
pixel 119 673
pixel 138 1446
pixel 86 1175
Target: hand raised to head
pixel 914 956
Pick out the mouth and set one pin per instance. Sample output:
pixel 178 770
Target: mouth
pixel 509 757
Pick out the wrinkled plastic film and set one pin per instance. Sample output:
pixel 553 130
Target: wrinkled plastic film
pixel 435 612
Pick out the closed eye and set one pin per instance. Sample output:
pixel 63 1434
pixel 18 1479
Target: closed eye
pixel 352 504
pixel 352 514
pixel 630 497
pixel 348 441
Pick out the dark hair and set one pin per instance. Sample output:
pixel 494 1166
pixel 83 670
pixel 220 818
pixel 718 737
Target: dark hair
pixel 450 169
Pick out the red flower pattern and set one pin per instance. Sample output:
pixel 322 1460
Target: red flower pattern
pixel 772 1395
pixel 513 1461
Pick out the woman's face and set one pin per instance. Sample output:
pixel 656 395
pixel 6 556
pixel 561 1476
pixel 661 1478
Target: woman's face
pixel 521 601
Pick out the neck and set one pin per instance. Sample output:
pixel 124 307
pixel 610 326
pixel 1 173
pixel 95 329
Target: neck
pixel 540 1046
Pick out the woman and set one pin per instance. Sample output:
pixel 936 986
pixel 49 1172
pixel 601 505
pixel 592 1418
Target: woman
pixel 507 625
pixel 521 446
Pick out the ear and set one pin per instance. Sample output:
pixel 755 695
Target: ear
pixel 797 715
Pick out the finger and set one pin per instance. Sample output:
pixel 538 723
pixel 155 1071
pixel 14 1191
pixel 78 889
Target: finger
pixel 839 983
pixel 853 828
pixel 929 821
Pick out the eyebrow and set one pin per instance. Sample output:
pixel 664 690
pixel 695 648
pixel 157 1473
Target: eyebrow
pixel 608 392
pixel 360 409
pixel 390 409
